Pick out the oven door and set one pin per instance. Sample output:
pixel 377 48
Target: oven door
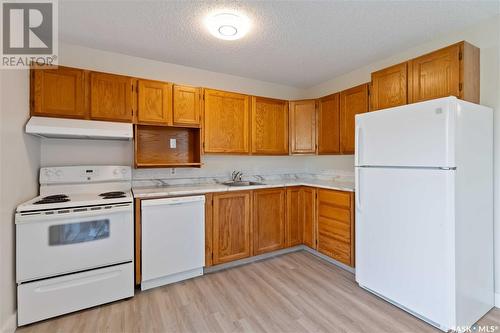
pixel 72 240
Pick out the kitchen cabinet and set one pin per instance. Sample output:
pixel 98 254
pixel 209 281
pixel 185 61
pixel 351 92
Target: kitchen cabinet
pixel 231 226
pixel 294 216
pixel 268 220
pixel 166 147
pixel 111 97
pixel 329 125
pixel 450 71
pixel 226 122
pixel 58 93
pixel 303 126
pixel 269 126
pixel 309 222
pixel 389 87
pixel 353 101
pixel 336 225
pixel 154 103
pixel 186 108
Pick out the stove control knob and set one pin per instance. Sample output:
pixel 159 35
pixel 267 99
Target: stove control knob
pixel 115 172
pixel 124 171
pixel 58 173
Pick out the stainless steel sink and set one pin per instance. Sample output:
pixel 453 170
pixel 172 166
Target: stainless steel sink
pixel 241 183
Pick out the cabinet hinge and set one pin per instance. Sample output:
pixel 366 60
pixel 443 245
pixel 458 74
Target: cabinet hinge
pixel 460 55
pixel 460 86
pixel 203 145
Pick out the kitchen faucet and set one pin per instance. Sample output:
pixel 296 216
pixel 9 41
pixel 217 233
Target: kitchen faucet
pixel 236 176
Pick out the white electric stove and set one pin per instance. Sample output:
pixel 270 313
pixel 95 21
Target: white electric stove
pixel 74 242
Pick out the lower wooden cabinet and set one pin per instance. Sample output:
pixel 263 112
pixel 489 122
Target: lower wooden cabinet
pixel 294 216
pixel 245 223
pixel 309 222
pixel 336 225
pixel 231 231
pixel 268 220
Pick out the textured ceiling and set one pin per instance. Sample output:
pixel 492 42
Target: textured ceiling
pixel 295 43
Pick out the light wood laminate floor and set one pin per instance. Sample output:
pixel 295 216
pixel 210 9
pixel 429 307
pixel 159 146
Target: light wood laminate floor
pixel 296 292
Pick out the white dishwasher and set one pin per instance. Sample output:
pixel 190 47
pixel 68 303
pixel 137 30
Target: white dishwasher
pixel 173 240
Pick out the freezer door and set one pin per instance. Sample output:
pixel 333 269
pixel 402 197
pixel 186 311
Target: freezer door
pixel 405 238
pixel 415 135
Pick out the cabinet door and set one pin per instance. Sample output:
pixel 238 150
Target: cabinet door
pixel 336 225
pixel 58 92
pixel 269 126
pixel 389 87
pixel 154 103
pixel 186 106
pixel 111 97
pixel 226 125
pixel 352 102
pixel 303 126
pixel 329 125
pixel 231 226
pixel 435 75
pixel 268 220
pixel 309 223
pixel 294 216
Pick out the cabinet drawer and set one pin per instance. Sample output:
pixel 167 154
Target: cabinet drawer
pixel 337 198
pixel 334 229
pixel 337 250
pixel 335 213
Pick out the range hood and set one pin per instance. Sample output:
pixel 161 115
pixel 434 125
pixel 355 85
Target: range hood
pixel 46 127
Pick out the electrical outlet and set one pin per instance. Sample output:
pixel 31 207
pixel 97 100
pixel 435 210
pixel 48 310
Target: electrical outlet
pixel 173 143
pixel 172 171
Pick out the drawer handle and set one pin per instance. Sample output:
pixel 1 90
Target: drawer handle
pixel 77 282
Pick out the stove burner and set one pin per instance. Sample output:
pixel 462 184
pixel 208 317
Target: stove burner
pixel 118 194
pixel 49 201
pixel 55 197
pixel 114 197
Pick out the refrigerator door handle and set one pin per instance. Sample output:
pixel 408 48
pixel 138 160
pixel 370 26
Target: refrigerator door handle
pixel 357 194
pixel 357 137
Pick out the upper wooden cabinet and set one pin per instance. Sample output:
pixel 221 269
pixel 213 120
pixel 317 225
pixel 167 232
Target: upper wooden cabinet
pixel 58 93
pixel 231 223
pixel 226 122
pixel 186 106
pixel 111 97
pixel 269 126
pixel 303 126
pixel 268 220
pixel 451 71
pixel 389 87
pixel 336 225
pixel 329 125
pixel 352 102
pixel 154 103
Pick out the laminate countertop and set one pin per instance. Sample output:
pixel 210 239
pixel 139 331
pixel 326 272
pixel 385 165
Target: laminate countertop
pixel 194 189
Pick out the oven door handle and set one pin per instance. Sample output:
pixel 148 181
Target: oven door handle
pixel 72 213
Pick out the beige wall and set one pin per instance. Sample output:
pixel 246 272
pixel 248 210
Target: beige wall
pixel 20 160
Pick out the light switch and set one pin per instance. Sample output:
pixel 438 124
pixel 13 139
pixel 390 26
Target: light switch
pixel 173 143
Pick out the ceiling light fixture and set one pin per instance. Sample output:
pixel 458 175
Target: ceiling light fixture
pixel 227 26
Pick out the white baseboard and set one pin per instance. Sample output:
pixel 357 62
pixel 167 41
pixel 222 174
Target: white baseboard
pixel 11 324
pixel 497 300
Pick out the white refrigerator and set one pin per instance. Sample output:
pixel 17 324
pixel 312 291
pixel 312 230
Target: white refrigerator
pixel 424 209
